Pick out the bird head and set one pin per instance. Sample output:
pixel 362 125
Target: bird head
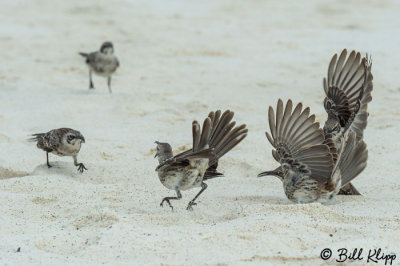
pixel 73 138
pixel 107 48
pixel 164 151
pixel 332 126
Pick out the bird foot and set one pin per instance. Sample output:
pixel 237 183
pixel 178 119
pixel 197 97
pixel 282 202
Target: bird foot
pixel 189 207
pixel 81 167
pixel 167 200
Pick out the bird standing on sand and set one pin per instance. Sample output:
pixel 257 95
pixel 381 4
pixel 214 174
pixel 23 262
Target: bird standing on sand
pixel 191 168
pixel 62 142
pixel 103 63
pixel 348 88
pixel 312 168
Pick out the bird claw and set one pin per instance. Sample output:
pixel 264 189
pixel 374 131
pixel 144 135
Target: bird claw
pixel 189 207
pixel 81 167
pixel 169 203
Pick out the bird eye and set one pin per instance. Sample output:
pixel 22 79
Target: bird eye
pixel 70 137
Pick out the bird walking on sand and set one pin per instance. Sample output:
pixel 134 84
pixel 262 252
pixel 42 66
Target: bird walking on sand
pixel 103 63
pixel 62 142
pixel 348 88
pixel 312 168
pixel 191 168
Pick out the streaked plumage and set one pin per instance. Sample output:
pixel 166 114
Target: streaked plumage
pixel 348 88
pixel 62 142
pixel 312 168
pixel 103 63
pixel 191 168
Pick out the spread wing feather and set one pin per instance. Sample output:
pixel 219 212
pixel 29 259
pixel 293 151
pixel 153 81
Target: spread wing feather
pixel 348 86
pixel 298 141
pixel 353 158
pixel 359 120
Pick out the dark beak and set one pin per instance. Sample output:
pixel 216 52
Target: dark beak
pixel 277 172
pixel 81 138
pixel 266 173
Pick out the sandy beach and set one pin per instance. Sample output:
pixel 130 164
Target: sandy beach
pixel 179 61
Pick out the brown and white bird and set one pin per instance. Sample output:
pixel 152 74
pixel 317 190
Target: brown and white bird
pixel 62 142
pixel 312 168
pixel 191 168
pixel 103 63
pixel 348 88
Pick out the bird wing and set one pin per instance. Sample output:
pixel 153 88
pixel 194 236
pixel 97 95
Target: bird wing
pixel 49 141
pixel 349 82
pixel 182 159
pixel 352 158
pixel 299 141
pixel 332 147
pixel 171 163
pixel 358 121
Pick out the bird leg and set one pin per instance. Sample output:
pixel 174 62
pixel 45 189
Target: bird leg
pixel 47 156
pixel 109 84
pixel 81 166
pixel 90 80
pixel 192 203
pixel 167 199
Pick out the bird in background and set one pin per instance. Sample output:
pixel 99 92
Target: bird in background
pixel 103 63
pixel 61 142
pixel 191 168
pixel 348 88
pixel 311 167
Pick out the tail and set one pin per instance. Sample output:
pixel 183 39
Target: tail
pixel 352 159
pixel 84 54
pixel 224 135
pixel 218 133
pixel 36 137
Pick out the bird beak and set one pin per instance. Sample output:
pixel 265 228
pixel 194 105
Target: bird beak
pixel 81 138
pixel 277 172
pixel 266 173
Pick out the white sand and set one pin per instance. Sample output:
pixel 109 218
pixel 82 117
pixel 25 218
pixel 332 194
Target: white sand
pixel 180 60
